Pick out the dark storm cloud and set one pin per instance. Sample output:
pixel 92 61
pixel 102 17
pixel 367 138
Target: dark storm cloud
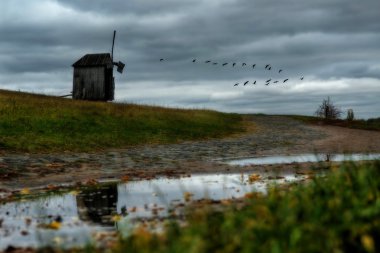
pixel 330 42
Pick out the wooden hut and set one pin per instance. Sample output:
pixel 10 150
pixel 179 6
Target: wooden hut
pixel 93 78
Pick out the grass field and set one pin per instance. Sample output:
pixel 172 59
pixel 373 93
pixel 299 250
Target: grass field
pixel 38 123
pixel 337 213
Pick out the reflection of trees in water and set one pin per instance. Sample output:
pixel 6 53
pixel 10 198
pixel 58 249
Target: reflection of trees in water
pixel 98 204
pixel 329 157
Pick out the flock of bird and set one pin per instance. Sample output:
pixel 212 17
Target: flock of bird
pixel 268 67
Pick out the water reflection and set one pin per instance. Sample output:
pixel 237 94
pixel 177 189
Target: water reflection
pixel 301 158
pixel 97 205
pixel 28 223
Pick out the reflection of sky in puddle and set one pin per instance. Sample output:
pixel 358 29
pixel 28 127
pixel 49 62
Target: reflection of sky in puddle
pixel 302 158
pixel 91 210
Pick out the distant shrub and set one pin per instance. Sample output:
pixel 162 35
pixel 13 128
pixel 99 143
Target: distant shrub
pixel 350 115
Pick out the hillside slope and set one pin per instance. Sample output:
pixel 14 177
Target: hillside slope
pixel 39 123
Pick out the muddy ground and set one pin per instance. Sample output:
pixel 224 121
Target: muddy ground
pixel 272 135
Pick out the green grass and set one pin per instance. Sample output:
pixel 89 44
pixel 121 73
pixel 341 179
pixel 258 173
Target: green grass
pixel 339 213
pixel 38 123
pixel 369 124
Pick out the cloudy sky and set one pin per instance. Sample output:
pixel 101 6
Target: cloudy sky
pixel 334 44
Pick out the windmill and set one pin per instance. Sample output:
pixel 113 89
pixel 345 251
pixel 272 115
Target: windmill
pixel 120 65
pixel 93 76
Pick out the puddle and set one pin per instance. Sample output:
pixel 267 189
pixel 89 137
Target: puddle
pixel 74 219
pixel 302 158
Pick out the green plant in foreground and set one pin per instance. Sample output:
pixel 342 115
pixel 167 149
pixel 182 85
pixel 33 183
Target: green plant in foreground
pixel 337 213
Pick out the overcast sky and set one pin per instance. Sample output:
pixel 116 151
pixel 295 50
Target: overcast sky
pixel 334 44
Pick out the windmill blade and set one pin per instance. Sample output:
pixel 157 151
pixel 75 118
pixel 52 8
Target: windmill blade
pixel 120 66
pixel 113 43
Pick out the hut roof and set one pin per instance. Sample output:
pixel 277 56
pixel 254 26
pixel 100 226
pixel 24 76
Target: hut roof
pixel 94 60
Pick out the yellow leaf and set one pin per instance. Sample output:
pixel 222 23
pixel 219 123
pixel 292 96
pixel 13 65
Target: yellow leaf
pixel 116 218
pixel 187 196
pixel 25 191
pixel 54 225
pixel 74 193
pixel 368 243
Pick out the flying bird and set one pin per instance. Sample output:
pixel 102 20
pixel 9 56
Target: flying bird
pixel 233 64
pixel 253 66
pixel 280 71
pixel 207 61
pixel 268 80
pixel 266 66
pixel 161 59
pixel 236 84
pixel 285 80
pixel 301 78
pixel 275 82
pixel 246 83
pixel 254 82
pixel 269 68
pixel 243 64
pixel 194 60
pixel 224 64
pixel 215 63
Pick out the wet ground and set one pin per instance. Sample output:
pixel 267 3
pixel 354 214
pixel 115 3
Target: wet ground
pixel 158 180
pixel 271 135
pixel 77 217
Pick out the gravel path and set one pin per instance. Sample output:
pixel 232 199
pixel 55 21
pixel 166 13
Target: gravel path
pixel 273 135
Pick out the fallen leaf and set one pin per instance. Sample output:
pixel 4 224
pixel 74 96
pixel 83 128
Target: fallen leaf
pixel 125 178
pixel 253 178
pixel 116 218
pixel 25 191
pixel 74 193
pixel 53 225
pixel 51 187
pixel 91 182
pixel 54 165
pixel 187 196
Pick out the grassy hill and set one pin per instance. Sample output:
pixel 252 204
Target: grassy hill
pixel 39 123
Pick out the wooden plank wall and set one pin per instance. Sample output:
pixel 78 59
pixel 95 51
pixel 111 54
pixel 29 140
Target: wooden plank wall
pixel 89 83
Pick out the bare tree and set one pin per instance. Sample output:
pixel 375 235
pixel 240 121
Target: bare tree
pixel 328 110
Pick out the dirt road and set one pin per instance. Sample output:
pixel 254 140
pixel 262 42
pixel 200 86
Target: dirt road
pixel 272 135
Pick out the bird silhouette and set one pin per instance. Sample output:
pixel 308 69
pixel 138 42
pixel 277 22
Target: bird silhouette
pixel 268 80
pixel 301 78
pixel 233 64
pixel 280 71
pixel 269 68
pixel 243 64
pixel 161 59
pixel 253 66
pixel 236 84
pixel 254 82
pixel 207 61
pixel 275 82
pixel 285 80
pixel 246 83
pixel 224 64
pixel 215 63
pixel 194 60
pixel 266 84
pixel 266 66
